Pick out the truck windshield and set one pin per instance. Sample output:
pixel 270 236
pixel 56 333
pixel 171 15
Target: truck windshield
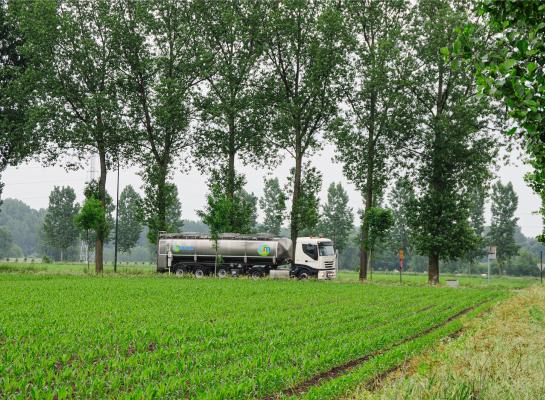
pixel 326 249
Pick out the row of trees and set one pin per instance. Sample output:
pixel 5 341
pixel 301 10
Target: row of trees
pixel 65 221
pixel 159 82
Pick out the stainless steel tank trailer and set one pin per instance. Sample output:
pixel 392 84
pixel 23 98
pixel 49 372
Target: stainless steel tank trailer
pixel 236 254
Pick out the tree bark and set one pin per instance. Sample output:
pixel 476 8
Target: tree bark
pixel 231 162
pixel 433 269
pixel 99 245
pixel 161 202
pixel 364 252
pixel 294 205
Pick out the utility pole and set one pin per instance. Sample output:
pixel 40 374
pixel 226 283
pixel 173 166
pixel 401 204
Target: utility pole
pixel 491 256
pixel 116 217
pixel 541 266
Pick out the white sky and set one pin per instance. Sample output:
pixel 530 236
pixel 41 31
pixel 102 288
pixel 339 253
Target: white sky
pixel 32 184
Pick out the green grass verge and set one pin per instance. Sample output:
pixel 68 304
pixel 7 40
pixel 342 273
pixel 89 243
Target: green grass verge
pixel 472 281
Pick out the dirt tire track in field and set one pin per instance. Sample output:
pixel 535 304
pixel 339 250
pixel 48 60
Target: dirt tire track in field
pixel 377 381
pixel 346 367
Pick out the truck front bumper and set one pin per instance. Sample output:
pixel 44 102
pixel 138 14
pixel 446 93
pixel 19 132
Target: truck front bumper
pixel 327 274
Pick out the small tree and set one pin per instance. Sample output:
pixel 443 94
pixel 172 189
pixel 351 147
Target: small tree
pixel 92 217
pixel 400 197
pixel 224 213
pixel 6 242
pixel 337 219
pixel 171 221
pixel 476 221
pixel 130 225
pixel 273 205
pixel 59 228
pixel 504 223
pixel 378 222
pixel 307 207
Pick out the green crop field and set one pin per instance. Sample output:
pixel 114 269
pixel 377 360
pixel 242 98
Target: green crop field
pixel 134 336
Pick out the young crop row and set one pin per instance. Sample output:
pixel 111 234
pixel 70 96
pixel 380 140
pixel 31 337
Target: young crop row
pixel 157 337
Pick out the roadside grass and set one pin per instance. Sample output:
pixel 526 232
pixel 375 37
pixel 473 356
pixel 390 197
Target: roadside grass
pixel 73 268
pixel 471 281
pixel 500 357
pixel 379 278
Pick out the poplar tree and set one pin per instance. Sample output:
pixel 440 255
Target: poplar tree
pixel 162 61
pixel 273 205
pixel 130 225
pixel 17 79
pixel 305 52
pixel 307 208
pixel 476 220
pixel 72 44
pixel 504 223
pixel 373 133
pixel 456 147
pixel 231 117
pixel 399 199
pixel 59 227
pixel 337 218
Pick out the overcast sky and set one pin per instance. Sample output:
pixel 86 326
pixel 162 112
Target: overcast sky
pixel 32 184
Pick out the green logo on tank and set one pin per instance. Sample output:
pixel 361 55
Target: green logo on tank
pixel 264 250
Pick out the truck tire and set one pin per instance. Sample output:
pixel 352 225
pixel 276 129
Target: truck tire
pixel 180 272
pixel 222 273
pixel 199 273
pixel 303 275
pixel 256 274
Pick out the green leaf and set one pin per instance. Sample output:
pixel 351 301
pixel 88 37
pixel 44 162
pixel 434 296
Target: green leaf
pixel 445 51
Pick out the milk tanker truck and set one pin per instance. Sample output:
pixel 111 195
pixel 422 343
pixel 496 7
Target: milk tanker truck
pixel 253 255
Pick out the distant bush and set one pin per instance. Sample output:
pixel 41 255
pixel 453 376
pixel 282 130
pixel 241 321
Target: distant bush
pixel 46 260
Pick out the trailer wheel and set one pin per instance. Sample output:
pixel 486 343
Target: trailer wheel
pixel 180 272
pixel 256 274
pixel 199 273
pixel 222 273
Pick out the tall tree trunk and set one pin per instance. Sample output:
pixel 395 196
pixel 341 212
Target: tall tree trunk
pixel 99 245
pixel 433 268
pixel 363 257
pixel 364 252
pixel 162 224
pixel 231 162
pixel 62 255
pixel 294 205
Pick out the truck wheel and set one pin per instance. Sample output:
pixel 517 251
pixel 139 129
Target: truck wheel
pixel 303 276
pixel 256 274
pixel 222 273
pixel 199 273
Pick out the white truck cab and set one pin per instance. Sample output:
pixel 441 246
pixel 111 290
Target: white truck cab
pixel 315 257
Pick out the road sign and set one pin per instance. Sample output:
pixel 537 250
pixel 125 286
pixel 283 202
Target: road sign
pixel 540 267
pixel 491 252
pixel 401 254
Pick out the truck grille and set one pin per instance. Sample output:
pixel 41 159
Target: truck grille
pixel 329 264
